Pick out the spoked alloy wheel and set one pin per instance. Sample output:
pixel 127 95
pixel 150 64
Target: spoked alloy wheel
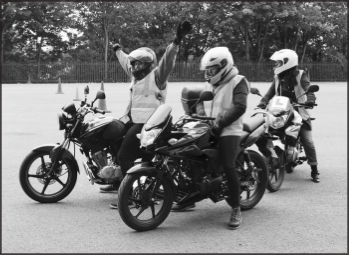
pixel 276 175
pixel 136 207
pixel 251 195
pixel 32 177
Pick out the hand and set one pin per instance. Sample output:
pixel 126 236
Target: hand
pixel 116 47
pixel 183 29
pixel 262 105
pixel 216 131
pixel 309 103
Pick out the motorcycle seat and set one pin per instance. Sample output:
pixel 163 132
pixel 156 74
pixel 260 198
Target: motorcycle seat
pixel 253 123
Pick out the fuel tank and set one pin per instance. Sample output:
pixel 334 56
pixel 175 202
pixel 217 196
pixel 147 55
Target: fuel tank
pixel 97 133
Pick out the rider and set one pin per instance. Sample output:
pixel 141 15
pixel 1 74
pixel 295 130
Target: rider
pixel 293 82
pixel 228 106
pixel 147 91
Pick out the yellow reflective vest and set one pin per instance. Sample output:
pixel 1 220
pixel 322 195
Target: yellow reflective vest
pixel 298 90
pixel 222 102
pixel 145 98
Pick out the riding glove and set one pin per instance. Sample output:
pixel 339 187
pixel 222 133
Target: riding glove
pixel 183 29
pixel 116 47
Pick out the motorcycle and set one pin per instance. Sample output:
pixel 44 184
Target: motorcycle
pixel 283 124
pixel 49 172
pixel 187 166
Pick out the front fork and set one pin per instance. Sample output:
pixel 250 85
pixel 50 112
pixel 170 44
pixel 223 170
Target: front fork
pixel 251 169
pixel 57 153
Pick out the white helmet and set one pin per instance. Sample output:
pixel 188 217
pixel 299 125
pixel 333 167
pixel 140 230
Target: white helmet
pixel 285 59
pixel 217 62
pixel 145 55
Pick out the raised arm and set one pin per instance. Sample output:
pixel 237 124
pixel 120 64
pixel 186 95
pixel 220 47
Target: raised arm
pixel 168 61
pixel 123 59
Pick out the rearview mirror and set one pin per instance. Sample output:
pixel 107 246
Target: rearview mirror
pixel 86 90
pixel 255 91
pixel 100 95
pixel 206 96
pixel 313 88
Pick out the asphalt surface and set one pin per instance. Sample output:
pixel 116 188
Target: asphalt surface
pixel 302 217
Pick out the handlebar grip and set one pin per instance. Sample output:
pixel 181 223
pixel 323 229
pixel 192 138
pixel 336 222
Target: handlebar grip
pixel 96 110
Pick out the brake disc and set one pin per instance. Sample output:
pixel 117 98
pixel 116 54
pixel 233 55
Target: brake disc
pixel 41 171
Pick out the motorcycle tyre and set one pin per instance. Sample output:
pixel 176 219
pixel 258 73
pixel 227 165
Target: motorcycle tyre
pixel 23 179
pixel 258 160
pixel 272 187
pixel 123 209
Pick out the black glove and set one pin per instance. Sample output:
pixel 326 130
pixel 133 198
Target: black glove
pixel 182 30
pixel 116 47
pixel 262 105
pixel 309 103
pixel 216 131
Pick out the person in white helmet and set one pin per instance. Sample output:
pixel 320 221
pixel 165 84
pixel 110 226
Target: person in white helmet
pixel 292 82
pixel 228 106
pixel 148 90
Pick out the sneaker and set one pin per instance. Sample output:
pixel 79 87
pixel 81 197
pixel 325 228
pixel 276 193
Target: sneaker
pixel 115 205
pixel 183 207
pixel 235 218
pixel 112 188
pixel 315 176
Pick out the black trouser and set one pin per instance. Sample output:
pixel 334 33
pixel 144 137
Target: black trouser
pixel 228 146
pixel 130 148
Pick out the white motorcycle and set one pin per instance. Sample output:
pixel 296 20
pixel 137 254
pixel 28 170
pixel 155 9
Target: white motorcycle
pixel 283 124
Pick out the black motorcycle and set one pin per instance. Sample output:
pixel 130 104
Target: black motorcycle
pixel 49 172
pixel 187 166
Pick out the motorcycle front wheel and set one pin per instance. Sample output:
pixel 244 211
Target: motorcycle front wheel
pixel 276 175
pixel 138 208
pixel 33 180
pixel 250 196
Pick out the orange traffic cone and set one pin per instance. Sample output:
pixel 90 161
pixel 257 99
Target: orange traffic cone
pixel 77 96
pixel 59 91
pixel 102 105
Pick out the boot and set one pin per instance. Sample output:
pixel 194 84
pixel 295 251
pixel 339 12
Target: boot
pixel 183 207
pixel 235 218
pixel 315 174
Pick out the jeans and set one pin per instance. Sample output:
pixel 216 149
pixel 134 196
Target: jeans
pixel 228 146
pixel 308 145
pixel 130 148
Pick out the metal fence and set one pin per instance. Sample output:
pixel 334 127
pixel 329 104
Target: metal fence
pixel 81 72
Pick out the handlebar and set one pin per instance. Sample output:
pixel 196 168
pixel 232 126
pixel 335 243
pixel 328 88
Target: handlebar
pixel 195 116
pixel 303 105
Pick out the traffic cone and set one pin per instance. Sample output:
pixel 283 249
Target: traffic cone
pixel 59 91
pixel 77 96
pixel 102 105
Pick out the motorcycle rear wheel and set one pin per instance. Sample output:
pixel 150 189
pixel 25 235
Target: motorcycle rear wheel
pixel 248 200
pixel 135 208
pixel 277 174
pixel 46 190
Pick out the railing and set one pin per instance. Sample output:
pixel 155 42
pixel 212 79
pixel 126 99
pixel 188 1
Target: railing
pixel 81 72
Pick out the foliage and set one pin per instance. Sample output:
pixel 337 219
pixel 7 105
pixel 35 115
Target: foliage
pixel 32 31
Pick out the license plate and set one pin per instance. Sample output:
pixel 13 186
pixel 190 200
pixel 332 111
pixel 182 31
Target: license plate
pixel 246 183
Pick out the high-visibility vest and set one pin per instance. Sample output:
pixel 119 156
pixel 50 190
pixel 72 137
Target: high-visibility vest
pixel 222 102
pixel 145 98
pixel 298 90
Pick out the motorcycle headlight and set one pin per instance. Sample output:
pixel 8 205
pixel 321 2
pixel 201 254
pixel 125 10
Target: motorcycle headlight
pixel 276 122
pixel 148 137
pixel 61 121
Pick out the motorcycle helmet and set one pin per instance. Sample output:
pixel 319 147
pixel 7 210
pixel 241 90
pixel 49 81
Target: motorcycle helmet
pixel 285 59
pixel 217 63
pixel 142 61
